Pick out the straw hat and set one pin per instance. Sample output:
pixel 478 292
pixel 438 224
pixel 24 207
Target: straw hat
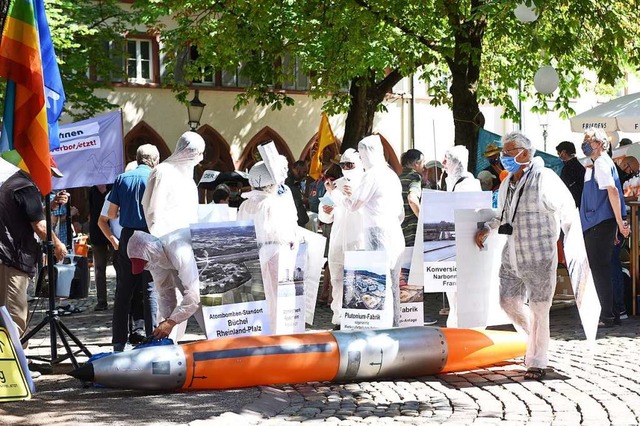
pixel 491 150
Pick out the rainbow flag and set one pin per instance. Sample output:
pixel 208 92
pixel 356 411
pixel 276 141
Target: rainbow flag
pixel 325 138
pixel 25 127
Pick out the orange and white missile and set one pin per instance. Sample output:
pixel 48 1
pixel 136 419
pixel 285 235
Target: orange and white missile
pixel 236 362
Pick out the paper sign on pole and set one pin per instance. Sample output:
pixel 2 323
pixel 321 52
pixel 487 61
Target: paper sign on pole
pixel 90 152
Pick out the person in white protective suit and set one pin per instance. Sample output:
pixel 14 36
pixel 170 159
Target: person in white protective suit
pixel 170 201
pixel 347 233
pixel 534 205
pixel 172 265
pixel 270 205
pixel 458 179
pixel 379 198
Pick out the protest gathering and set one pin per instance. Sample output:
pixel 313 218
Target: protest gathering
pixel 194 204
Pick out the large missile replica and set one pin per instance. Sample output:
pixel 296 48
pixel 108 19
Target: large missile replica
pixel 337 356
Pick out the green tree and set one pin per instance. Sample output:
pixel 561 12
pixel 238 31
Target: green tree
pixel 470 51
pixel 81 31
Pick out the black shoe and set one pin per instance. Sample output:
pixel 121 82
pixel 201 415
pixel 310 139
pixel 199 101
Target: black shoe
pixel 430 321
pixel 617 321
pixel 137 336
pixel 606 323
pixel 101 307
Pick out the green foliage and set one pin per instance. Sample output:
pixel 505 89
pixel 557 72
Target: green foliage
pixel 80 29
pixel 338 41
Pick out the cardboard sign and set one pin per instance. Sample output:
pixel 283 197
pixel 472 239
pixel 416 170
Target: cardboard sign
pixel 367 301
pixel 231 287
pixel 478 295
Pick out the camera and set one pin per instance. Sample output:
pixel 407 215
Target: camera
pixel 505 229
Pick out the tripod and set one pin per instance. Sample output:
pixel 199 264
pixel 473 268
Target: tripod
pixel 56 326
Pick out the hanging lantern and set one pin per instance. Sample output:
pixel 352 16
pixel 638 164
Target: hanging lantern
pixel 546 80
pixel 526 13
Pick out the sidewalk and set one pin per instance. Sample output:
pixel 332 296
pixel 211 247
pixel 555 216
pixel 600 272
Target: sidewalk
pixel 598 386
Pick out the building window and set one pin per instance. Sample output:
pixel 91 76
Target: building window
pixel 300 80
pixel 139 61
pixel 234 78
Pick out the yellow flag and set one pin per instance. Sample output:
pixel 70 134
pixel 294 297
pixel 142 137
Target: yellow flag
pixel 325 138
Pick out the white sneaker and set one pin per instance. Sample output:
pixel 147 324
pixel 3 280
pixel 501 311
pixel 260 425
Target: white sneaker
pixel 624 315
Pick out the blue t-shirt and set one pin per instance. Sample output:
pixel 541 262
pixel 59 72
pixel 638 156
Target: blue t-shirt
pixel 127 193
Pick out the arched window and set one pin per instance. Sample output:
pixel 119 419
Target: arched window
pixel 250 154
pixel 141 134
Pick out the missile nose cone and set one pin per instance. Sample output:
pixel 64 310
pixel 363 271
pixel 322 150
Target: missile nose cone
pixel 84 373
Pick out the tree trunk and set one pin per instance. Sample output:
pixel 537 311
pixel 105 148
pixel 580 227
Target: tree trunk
pixel 465 75
pixel 366 95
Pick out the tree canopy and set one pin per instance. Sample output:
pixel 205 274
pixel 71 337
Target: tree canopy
pixel 81 31
pixel 469 51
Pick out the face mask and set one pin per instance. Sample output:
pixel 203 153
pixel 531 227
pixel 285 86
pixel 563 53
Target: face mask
pixel 509 163
pixel 587 149
pixel 352 175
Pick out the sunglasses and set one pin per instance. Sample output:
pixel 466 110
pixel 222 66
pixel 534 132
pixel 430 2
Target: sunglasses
pixel 348 165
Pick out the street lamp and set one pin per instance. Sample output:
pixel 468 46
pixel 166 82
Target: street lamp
pixel 544 123
pixel 195 109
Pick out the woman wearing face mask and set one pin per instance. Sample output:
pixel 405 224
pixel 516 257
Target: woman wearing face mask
pixel 347 233
pixel 602 212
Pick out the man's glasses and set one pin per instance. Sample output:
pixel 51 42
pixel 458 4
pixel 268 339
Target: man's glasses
pixel 347 165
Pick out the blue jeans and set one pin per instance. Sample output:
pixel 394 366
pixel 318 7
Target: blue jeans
pixel 126 286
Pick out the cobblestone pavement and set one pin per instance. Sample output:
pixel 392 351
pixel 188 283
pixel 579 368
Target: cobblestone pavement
pixel 590 386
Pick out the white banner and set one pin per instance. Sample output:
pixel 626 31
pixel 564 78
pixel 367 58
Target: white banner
pixel 478 284
pixel 91 152
pixel 438 248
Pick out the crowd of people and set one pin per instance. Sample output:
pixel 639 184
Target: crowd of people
pixel 141 222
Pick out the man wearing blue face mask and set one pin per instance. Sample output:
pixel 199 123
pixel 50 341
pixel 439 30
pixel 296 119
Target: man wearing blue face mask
pixel 534 205
pixel 602 211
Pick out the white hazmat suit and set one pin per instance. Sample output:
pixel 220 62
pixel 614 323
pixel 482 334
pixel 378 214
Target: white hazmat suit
pixel 379 197
pixel 347 233
pixel 170 201
pixel 530 256
pixel 171 263
pixel 456 160
pixel 275 218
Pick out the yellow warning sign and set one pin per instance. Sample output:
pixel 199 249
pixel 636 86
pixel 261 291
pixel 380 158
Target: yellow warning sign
pixel 13 384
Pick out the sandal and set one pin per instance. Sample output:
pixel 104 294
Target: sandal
pixel 534 373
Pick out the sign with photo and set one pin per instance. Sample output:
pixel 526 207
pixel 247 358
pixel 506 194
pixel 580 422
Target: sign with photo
pixel 367 301
pixel 438 248
pixel 231 289
pixel 315 260
pixel 411 295
pixel 291 302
